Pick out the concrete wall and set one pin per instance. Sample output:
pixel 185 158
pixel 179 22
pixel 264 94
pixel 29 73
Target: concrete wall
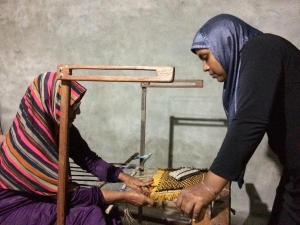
pixel 36 36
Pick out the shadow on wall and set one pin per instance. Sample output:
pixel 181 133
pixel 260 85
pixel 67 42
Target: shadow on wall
pixel 259 213
pixel 181 121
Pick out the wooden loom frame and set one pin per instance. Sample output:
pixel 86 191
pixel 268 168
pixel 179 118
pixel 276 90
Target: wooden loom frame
pixel 164 75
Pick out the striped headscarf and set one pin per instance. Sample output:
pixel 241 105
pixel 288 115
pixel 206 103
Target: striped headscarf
pixel 29 155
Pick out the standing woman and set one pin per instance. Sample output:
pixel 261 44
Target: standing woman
pixel 29 165
pixel 261 75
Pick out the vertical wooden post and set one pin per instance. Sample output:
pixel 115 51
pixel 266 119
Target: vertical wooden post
pixel 63 152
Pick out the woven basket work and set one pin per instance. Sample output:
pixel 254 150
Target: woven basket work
pixel 165 187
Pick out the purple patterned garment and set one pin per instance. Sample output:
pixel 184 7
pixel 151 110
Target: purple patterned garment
pixel 84 206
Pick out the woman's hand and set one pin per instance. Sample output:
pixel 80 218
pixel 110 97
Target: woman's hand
pixel 137 198
pixel 132 196
pixel 135 183
pixel 193 199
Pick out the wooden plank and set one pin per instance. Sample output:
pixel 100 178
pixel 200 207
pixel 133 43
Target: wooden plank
pixel 163 73
pixel 205 215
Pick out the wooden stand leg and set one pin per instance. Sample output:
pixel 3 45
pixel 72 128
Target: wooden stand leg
pixel 205 218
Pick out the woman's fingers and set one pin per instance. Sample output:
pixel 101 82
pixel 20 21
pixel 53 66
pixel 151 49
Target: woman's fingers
pixel 149 201
pixel 138 198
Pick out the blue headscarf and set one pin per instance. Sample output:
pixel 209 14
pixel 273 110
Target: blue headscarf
pixel 225 35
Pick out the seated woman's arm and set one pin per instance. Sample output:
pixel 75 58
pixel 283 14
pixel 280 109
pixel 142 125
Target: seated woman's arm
pixel 91 162
pixel 88 160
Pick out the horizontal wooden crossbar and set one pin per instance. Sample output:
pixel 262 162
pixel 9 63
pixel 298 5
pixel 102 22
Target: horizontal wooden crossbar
pixel 163 73
pixel 179 83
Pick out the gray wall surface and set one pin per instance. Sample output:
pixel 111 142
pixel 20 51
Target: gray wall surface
pixel 36 36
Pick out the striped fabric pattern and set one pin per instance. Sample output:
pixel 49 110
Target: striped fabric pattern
pixel 29 155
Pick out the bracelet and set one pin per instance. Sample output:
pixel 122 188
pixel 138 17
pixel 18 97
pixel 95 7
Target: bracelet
pixel 209 190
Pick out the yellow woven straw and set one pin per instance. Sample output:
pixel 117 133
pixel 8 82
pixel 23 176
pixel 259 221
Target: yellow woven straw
pixel 166 187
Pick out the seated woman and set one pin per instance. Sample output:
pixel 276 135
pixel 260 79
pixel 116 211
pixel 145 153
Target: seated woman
pixel 29 164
